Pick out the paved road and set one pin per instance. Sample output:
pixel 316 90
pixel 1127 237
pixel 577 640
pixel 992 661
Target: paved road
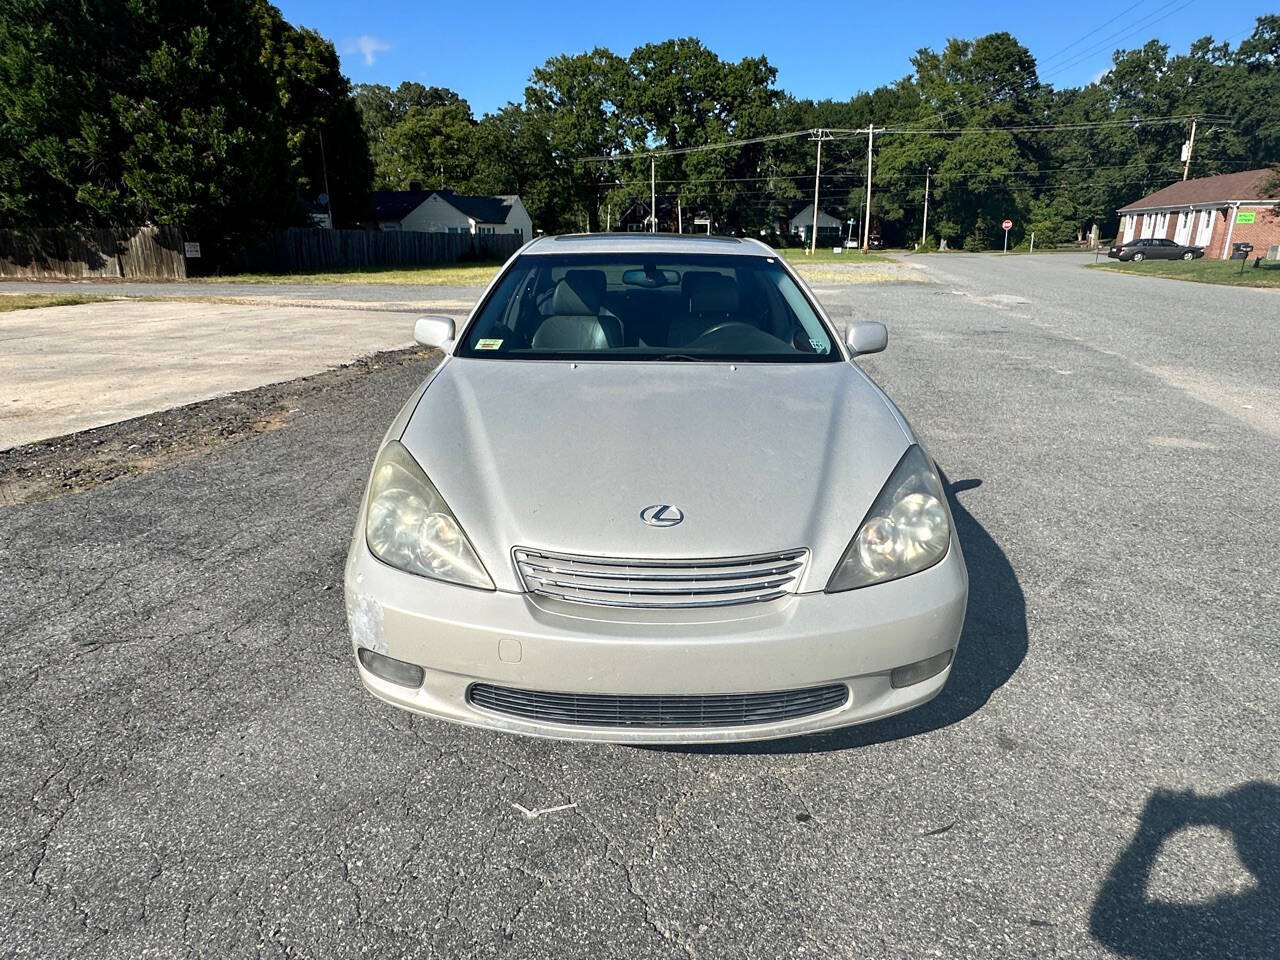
pixel 189 765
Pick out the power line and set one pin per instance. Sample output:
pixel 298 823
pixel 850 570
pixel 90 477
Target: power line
pixel 1051 127
pixel 1146 21
pixel 674 151
pixel 1124 33
pixel 1106 23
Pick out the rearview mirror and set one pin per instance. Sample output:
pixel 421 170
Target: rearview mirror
pixel 650 277
pixel 434 331
pixel 867 336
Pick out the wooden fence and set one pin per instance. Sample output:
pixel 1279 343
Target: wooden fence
pixel 302 250
pixel 124 252
pixel 157 252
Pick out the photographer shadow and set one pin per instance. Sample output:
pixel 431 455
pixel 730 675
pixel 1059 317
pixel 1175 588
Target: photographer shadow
pixel 1241 926
pixel 993 644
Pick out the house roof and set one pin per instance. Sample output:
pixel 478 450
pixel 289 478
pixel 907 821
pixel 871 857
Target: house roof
pixel 1244 185
pixel 796 207
pixel 480 209
pixel 398 204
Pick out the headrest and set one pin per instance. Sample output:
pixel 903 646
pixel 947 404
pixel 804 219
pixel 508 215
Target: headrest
pixel 712 293
pixel 690 277
pixel 579 294
pixel 571 332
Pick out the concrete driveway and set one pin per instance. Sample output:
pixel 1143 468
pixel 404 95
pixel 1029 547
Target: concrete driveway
pixel 189 765
pixel 64 369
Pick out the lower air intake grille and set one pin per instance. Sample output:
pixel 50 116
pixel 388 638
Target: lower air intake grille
pixel 711 710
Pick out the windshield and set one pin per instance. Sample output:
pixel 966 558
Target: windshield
pixel 619 306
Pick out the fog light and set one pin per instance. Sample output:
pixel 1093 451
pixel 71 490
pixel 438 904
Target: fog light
pixel 921 670
pixel 389 668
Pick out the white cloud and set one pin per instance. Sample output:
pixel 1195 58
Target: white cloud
pixel 1100 74
pixel 367 46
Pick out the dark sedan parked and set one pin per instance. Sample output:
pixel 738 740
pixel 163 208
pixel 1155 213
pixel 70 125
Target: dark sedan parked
pixel 1154 249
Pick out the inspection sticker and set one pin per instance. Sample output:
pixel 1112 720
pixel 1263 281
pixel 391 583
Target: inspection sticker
pixel 488 344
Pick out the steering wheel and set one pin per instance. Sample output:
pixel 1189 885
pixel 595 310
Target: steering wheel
pixel 728 325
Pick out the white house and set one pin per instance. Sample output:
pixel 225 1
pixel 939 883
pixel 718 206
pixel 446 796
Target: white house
pixel 443 211
pixel 799 223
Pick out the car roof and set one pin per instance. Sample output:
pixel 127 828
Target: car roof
pixel 661 243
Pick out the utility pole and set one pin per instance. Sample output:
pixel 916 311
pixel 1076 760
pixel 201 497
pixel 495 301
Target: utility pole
pixel 653 198
pixel 324 166
pixel 924 229
pixel 1186 167
pixel 866 220
pixel 818 135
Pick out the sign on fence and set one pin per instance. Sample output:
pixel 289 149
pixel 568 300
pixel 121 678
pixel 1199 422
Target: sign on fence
pixel 190 249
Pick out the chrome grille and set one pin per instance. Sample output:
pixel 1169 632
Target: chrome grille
pixel 610 582
pixel 709 710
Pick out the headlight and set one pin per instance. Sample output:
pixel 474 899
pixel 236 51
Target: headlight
pixel 409 526
pixel 907 529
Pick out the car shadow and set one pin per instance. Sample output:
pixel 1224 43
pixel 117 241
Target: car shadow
pixel 1240 925
pixel 993 643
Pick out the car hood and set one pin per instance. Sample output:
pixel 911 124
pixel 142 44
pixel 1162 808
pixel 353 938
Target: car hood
pixel 564 457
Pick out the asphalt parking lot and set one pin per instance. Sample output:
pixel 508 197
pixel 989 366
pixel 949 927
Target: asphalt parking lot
pixel 189 765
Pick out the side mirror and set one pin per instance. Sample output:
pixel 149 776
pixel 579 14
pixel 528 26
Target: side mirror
pixel 867 336
pixel 434 331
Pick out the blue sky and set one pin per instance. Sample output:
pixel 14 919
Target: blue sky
pixel 486 49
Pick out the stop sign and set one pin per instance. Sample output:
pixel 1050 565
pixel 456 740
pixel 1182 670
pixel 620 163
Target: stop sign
pixel 1008 224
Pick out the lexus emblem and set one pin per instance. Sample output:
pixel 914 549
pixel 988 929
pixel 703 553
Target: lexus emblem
pixel 662 515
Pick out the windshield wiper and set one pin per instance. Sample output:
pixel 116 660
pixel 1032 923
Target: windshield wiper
pixel 678 356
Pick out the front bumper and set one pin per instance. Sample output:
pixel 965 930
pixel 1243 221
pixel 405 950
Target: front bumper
pixel 461 636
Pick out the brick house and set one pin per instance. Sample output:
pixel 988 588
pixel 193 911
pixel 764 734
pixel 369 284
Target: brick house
pixel 1209 212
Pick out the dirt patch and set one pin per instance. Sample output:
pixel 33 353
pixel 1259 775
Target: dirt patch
pixel 80 461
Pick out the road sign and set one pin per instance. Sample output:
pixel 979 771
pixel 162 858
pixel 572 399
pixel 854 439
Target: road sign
pixel 1008 224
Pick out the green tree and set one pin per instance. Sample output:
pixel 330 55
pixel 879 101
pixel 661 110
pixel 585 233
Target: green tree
pixel 415 132
pixel 325 138
pixel 576 102
pixel 196 114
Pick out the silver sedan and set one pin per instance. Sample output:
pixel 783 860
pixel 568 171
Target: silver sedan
pixel 647 497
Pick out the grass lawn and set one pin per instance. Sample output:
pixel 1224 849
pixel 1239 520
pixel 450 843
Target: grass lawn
pixel 800 255
pixel 436 274
pixel 26 301
pixel 1201 271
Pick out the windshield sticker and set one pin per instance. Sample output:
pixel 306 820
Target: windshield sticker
pixel 488 344
pixel 818 345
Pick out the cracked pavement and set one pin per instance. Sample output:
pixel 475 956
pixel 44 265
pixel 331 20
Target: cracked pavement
pixel 190 767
